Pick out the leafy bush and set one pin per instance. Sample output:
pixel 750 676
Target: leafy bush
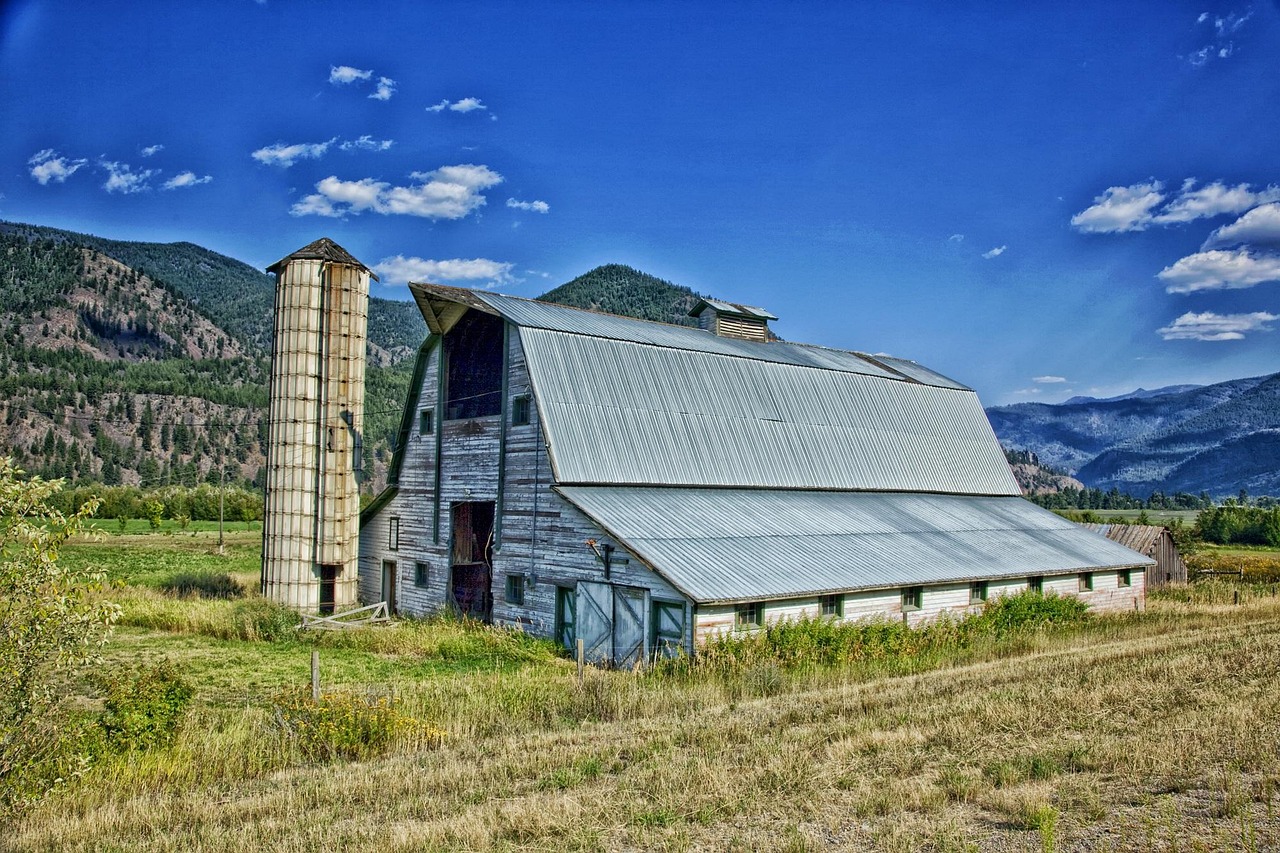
pixel 260 619
pixel 344 725
pixel 143 707
pixel 1030 611
pixel 204 584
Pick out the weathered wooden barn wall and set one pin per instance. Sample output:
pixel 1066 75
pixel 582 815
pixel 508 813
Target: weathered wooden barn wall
pixel 1153 540
pixel 538 535
pixel 315 420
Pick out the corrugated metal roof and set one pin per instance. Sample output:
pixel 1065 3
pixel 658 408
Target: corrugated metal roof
pixel 725 545
pixel 618 411
pixel 1139 537
pixel 543 315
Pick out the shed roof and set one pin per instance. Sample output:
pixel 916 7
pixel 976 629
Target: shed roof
pixel 323 249
pixel 727 545
pixel 1140 537
pixel 730 308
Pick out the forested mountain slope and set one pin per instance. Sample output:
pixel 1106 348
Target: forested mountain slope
pixel 618 289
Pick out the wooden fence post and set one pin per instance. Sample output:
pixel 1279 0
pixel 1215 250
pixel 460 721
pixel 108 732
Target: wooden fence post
pixel 315 675
pixel 582 660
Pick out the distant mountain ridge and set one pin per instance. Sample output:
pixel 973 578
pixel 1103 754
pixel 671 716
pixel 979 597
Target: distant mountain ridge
pixel 1217 438
pixel 1138 394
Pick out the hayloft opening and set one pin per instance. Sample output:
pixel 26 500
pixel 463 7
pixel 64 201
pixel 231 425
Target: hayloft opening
pixel 473 367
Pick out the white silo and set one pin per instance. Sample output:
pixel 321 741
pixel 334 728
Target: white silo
pixel 311 514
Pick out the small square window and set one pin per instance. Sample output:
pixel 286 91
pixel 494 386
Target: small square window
pixel 831 605
pixel 421 574
pixel 515 589
pixel 912 598
pixel 393 533
pixel 977 592
pixel 1123 578
pixel 520 411
pixel 749 614
pixel 1036 583
pixel 426 422
pixel 1086 581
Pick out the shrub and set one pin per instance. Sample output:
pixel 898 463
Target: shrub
pixel 143 707
pixel 260 619
pixel 344 725
pixel 204 584
pixel 1031 611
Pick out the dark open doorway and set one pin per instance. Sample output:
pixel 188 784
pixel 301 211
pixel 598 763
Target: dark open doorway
pixel 471 563
pixel 328 582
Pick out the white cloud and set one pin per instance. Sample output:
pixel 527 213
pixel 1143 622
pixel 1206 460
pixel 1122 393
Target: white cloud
pixel 1027 391
pixel 465 105
pixel 956 238
pixel 367 143
pixel 994 253
pixel 450 192
pixel 342 74
pixel 1216 327
pixel 1224 26
pixel 285 156
pixel 122 179
pixel 399 269
pixel 1219 269
pixel 1212 200
pixel 1120 209
pixel 152 150
pixel 535 206
pixel 1229 24
pixel 48 165
pixel 384 90
pixel 1260 226
pixel 185 179
pixel 1048 380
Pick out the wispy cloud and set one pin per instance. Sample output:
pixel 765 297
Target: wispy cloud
pixel 1259 227
pixel 399 269
pixel 342 74
pixel 366 143
pixel 535 206
pixel 1209 326
pixel 1120 209
pixel 384 90
pixel 450 192
pixel 152 150
pixel 185 179
pixel 956 238
pixel 121 178
pixel 466 105
pixel 285 155
pixel 994 253
pixel 1139 206
pixel 1048 380
pixel 48 165
pixel 1221 46
pixel 1218 269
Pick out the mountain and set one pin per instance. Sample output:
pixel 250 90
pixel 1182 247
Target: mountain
pixel 1216 438
pixel 618 289
pixel 1139 394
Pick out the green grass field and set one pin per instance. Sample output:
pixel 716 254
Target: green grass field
pixel 1144 731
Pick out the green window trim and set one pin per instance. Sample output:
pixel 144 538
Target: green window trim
pixel 1086 582
pixel 426 422
pixel 749 614
pixel 978 592
pixel 566 616
pixel 1124 578
pixel 912 598
pixel 831 605
pixel 1035 583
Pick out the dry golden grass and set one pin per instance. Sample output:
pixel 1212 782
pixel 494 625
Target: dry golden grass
pixel 1151 732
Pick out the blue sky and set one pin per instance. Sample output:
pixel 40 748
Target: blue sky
pixel 1038 199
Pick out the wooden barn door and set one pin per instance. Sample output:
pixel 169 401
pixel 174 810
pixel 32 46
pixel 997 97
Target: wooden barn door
pixel 611 623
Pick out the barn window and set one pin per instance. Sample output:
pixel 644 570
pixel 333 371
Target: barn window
pixel 749 614
pixel 426 421
pixel 393 533
pixel 977 592
pixel 515 589
pixel 831 605
pixel 421 573
pixel 1123 578
pixel 473 367
pixel 1036 583
pixel 566 616
pixel 520 411
pixel 912 598
pixel 1086 581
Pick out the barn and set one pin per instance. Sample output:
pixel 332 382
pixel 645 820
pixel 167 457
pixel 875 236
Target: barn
pixel 1153 540
pixel 643 486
